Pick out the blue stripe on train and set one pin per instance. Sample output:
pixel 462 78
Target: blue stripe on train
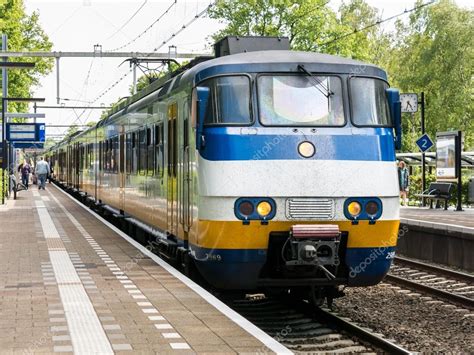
pixel 240 268
pixel 223 143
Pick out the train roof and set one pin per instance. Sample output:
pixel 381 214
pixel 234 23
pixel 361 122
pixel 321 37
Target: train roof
pixel 278 56
pixel 280 60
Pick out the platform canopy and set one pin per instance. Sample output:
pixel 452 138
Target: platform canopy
pixel 414 159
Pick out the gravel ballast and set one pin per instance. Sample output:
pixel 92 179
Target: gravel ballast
pixel 416 322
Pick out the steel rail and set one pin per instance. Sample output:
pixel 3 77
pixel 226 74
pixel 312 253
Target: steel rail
pixel 445 295
pixel 364 335
pixel 457 275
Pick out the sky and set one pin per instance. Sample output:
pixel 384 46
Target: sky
pixel 74 25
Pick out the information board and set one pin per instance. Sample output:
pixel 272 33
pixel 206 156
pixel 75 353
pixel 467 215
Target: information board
pixel 446 155
pixel 26 132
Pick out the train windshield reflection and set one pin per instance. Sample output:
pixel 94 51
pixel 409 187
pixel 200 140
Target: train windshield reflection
pixel 295 100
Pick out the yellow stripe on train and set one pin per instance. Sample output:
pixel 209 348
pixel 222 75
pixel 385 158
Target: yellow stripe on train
pixel 235 235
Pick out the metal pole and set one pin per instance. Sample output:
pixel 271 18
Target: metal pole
pixel 459 169
pixel 134 91
pixel 57 81
pixel 4 150
pixel 4 95
pixel 423 166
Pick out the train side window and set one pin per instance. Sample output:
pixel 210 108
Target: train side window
pixel 114 155
pixel 172 139
pixel 109 155
pixel 135 152
pixel 104 154
pixel 142 151
pixel 121 153
pixel 159 156
pixel 150 148
pixel 128 160
pixel 101 159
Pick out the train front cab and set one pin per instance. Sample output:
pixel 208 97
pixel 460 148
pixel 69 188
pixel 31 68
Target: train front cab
pixel 285 156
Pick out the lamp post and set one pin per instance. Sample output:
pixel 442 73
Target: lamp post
pixel 4 141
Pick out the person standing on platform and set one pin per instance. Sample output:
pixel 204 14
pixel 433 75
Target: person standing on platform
pixel 403 180
pixel 42 170
pixel 25 173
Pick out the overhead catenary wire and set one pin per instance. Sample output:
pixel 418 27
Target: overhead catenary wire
pixel 146 29
pixel 379 22
pixel 172 36
pixel 128 21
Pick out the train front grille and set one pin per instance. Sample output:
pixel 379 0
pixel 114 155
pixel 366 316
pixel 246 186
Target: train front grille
pixel 321 209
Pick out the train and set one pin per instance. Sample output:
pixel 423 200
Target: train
pixel 258 169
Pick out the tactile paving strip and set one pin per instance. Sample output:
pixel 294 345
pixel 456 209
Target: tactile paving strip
pixel 86 332
pixel 160 323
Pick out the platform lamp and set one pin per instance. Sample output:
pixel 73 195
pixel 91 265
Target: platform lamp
pixel 5 100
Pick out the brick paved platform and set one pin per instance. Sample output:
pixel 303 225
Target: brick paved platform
pixel 69 283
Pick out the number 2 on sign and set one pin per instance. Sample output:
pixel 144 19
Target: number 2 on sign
pixel 424 145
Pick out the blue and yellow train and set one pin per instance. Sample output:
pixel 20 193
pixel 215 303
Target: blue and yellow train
pixel 269 169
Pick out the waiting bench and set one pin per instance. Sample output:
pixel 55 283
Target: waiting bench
pixel 438 191
pixel 16 186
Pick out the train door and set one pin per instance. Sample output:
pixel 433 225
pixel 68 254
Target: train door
pixel 122 171
pixel 185 205
pixel 172 186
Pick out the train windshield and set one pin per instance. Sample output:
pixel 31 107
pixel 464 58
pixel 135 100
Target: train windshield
pixel 300 100
pixel 369 102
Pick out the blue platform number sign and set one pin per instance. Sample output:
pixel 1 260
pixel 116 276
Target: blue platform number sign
pixel 424 143
pixel 41 132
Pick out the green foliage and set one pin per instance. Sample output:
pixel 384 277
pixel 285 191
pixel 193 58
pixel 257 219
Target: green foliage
pixel 434 52
pixel 150 77
pixel 310 25
pixel 24 34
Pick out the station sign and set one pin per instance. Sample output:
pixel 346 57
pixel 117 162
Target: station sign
pixel 424 142
pixel 26 132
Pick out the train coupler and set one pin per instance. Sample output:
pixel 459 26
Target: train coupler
pixel 313 245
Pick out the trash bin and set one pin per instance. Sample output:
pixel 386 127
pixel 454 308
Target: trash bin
pixel 471 191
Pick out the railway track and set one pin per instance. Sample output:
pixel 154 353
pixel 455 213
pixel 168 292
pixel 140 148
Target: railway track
pixel 452 286
pixel 303 329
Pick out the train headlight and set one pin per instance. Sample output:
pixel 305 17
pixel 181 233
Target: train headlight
pixel 363 208
pixel 372 208
pixel 354 208
pixel 255 209
pixel 306 149
pixel 264 208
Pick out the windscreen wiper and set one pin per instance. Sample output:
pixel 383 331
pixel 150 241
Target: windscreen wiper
pixel 318 84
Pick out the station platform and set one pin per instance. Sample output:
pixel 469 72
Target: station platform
pixel 436 235
pixel 439 218
pixel 72 283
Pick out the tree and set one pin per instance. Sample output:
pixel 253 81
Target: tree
pixel 299 20
pixel 24 34
pixel 153 75
pixel 310 25
pixel 434 53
